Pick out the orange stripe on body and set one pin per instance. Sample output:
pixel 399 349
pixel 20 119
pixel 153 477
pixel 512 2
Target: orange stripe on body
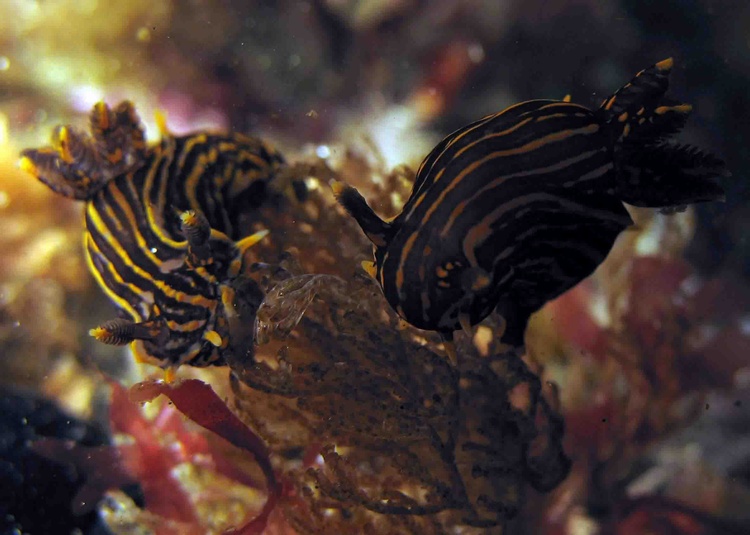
pixel 532 145
pixel 461 207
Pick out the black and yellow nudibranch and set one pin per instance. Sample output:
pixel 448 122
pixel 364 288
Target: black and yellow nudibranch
pixel 512 210
pixel 161 228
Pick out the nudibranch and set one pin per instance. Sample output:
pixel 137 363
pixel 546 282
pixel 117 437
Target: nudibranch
pixel 516 208
pixel 161 228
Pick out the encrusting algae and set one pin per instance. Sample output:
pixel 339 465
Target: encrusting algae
pixel 396 439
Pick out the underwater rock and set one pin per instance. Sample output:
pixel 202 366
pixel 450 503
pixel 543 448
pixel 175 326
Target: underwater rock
pixel 43 489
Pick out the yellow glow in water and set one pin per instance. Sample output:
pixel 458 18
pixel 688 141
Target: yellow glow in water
pixel 143 35
pixel 3 129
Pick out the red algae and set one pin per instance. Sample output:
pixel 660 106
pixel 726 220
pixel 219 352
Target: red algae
pixel 197 401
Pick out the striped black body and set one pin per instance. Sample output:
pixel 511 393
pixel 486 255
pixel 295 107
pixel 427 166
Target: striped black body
pixel 511 211
pixel 553 169
pixel 135 230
